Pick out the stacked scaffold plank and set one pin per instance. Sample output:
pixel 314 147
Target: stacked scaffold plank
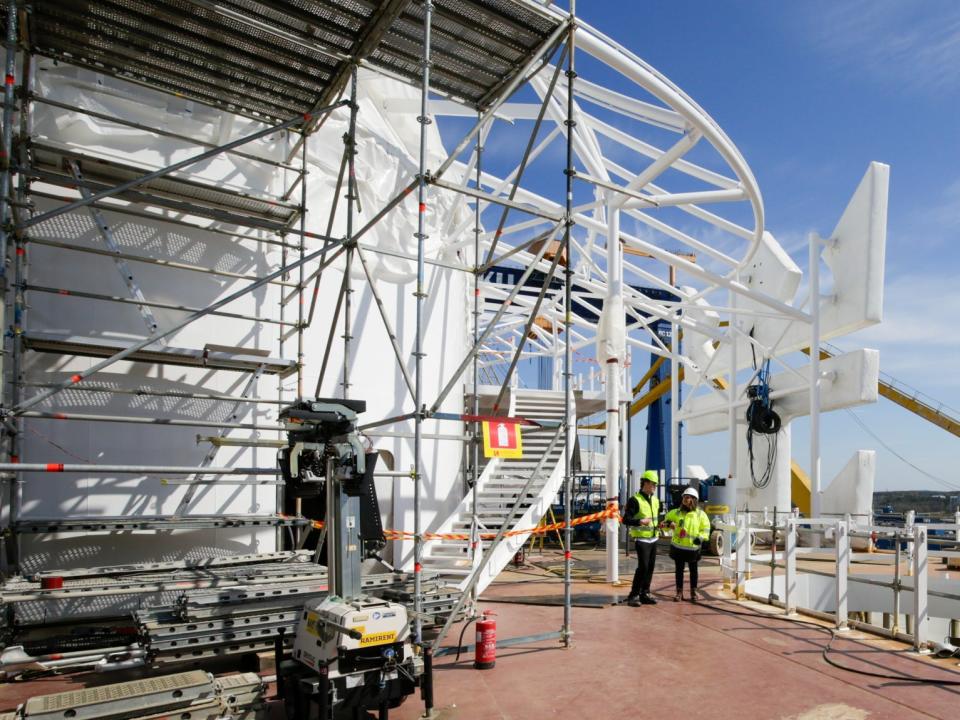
pixel 196 695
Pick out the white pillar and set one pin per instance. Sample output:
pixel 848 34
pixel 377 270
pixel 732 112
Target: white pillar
pixel 842 540
pixel 814 309
pixel 612 372
pixel 675 401
pixel 727 558
pixel 908 523
pixel 732 410
pixel 790 572
pixel 921 614
pixel 743 549
pixel 624 419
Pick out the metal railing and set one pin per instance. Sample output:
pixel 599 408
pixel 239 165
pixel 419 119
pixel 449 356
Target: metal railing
pixel 911 546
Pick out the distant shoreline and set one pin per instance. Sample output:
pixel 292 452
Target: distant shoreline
pixel 920 500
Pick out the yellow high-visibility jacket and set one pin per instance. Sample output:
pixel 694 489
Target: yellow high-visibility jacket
pixel 646 509
pixel 690 525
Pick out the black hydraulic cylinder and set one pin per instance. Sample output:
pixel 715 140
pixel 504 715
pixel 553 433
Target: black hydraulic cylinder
pixel 427 687
pixel 323 694
pixel 277 659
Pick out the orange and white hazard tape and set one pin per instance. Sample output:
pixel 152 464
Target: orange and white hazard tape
pixel 611 512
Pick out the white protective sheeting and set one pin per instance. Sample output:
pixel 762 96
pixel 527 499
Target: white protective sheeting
pixel 385 163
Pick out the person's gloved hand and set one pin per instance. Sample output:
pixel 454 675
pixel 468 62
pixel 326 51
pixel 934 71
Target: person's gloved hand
pixel 697 541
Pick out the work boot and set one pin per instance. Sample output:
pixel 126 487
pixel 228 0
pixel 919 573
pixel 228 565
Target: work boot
pixel 694 595
pixel 647 599
pixel 679 596
pixel 634 601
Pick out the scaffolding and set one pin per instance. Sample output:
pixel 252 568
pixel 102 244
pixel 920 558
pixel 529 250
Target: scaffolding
pixel 288 68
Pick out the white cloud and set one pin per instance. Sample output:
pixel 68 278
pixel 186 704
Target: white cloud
pixel 918 339
pixel 914 45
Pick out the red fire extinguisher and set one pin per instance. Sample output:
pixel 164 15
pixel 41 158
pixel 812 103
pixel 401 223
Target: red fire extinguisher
pixel 486 656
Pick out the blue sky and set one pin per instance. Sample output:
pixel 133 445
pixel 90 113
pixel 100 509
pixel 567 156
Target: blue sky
pixel 811 92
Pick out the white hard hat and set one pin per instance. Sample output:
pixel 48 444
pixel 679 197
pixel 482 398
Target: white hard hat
pixel 692 493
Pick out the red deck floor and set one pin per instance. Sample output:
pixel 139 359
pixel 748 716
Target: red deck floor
pixel 680 660
pixel 672 660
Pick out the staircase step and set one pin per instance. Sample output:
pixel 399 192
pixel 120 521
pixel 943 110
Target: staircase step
pixel 511 484
pixel 463 572
pixel 517 482
pixel 442 550
pixel 486 516
pixel 447 544
pixel 503 503
pixel 502 494
pixel 528 468
pixel 529 460
pixel 491 517
pixel 492 523
pixel 510 491
pixel 460 572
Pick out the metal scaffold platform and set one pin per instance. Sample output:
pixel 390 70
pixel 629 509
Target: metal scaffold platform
pixel 274 60
pixel 175 613
pixel 207 357
pixel 52 163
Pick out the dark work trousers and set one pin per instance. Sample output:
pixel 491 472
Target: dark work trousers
pixel 681 557
pixel 646 559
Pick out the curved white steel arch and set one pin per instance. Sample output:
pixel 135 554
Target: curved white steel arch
pixel 665 220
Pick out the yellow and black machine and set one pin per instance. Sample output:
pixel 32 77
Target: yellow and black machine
pixel 353 652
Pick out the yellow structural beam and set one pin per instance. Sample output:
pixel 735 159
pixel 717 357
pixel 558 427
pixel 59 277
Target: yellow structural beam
pixel 800 488
pixel 641 403
pixel 647 375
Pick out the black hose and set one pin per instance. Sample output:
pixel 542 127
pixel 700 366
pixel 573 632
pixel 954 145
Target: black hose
pixel 828 649
pixel 884 676
pixel 460 641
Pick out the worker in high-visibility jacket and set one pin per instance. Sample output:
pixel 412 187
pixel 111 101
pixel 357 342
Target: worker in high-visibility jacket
pixel 690 528
pixel 642 516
